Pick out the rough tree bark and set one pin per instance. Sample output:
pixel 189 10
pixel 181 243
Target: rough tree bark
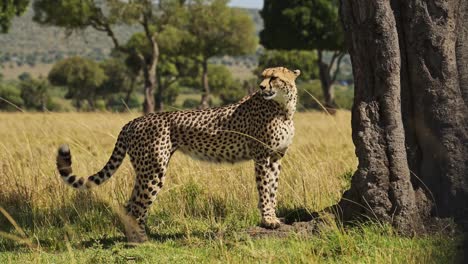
pixel 149 69
pixel 410 114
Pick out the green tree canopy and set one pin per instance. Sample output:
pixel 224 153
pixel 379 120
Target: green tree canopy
pixel 10 97
pixel 82 77
pixel 301 24
pixel 120 82
pixel 10 9
pixel 35 93
pixel 306 25
pixel 173 62
pixel 216 30
pixel 223 84
pixel 152 16
pixel 304 60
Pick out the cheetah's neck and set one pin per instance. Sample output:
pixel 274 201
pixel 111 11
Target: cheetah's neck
pixel 288 103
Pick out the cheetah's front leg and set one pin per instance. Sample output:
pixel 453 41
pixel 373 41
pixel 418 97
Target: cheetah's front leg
pixel 267 172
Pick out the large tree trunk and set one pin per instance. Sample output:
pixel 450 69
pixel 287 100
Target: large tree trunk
pixel 149 70
pixel 410 116
pixel 205 100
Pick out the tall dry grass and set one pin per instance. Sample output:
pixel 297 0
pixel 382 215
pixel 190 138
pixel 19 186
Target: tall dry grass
pixel 316 169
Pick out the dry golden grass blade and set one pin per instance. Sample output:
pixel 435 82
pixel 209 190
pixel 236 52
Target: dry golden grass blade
pixel 13 222
pixel 19 240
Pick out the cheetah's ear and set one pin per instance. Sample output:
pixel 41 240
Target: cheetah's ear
pixel 297 73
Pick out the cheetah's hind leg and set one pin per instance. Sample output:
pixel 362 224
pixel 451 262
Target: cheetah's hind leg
pixel 149 181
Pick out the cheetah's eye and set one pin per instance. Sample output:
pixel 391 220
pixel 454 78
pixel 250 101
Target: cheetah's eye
pixel 273 78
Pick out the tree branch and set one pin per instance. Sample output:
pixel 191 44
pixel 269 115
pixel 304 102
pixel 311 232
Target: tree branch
pixel 338 63
pixel 100 23
pixel 332 61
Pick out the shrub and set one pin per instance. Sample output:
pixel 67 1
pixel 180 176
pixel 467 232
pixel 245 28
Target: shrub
pixel 308 90
pixel 12 94
pixel 190 103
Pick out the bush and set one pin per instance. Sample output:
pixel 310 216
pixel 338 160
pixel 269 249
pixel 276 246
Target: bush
pixel 232 94
pixel 170 94
pixel 12 94
pixel 307 91
pixel 306 61
pixel 35 93
pixel 222 83
pixel 190 103
pixel 344 96
pixel 100 105
pixel 58 104
pixel 116 102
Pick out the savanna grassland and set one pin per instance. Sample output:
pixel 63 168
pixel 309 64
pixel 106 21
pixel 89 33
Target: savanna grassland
pixel 202 215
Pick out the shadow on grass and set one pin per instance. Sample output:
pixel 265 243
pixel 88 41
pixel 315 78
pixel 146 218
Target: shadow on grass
pixel 85 221
pixel 293 215
pixel 51 226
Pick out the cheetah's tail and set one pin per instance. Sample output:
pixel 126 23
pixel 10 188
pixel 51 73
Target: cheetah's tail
pixel 64 166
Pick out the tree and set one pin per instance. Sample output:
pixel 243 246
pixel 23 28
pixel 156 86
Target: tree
pixel 103 15
pixel 306 25
pixel 410 113
pixel 10 9
pixel 119 79
pixel 217 30
pixel 291 59
pixel 10 97
pixel 223 84
pixel 35 93
pixel 83 77
pixel 173 62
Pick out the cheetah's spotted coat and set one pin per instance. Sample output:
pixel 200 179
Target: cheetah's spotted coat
pixel 259 128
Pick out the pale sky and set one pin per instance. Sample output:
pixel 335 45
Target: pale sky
pixel 247 3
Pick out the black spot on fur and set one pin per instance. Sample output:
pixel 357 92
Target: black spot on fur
pixel 64 172
pixel 71 179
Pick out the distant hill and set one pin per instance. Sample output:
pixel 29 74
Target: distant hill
pixel 31 46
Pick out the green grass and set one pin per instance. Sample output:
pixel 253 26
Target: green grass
pixel 192 244
pixel 202 215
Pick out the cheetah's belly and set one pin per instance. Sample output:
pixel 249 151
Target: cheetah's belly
pixel 285 138
pixel 217 147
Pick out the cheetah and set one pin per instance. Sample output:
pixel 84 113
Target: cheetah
pixel 259 127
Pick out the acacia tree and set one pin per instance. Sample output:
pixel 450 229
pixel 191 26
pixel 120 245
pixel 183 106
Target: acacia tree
pixel 172 65
pixel 217 30
pixel 119 78
pixel 82 77
pixel 35 93
pixel 8 10
pixel 410 113
pixel 103 16
pixel 306 25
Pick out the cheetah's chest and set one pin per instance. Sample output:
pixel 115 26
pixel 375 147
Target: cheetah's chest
pixel 282 136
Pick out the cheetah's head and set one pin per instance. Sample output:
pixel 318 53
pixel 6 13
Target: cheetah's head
pixel 279 83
